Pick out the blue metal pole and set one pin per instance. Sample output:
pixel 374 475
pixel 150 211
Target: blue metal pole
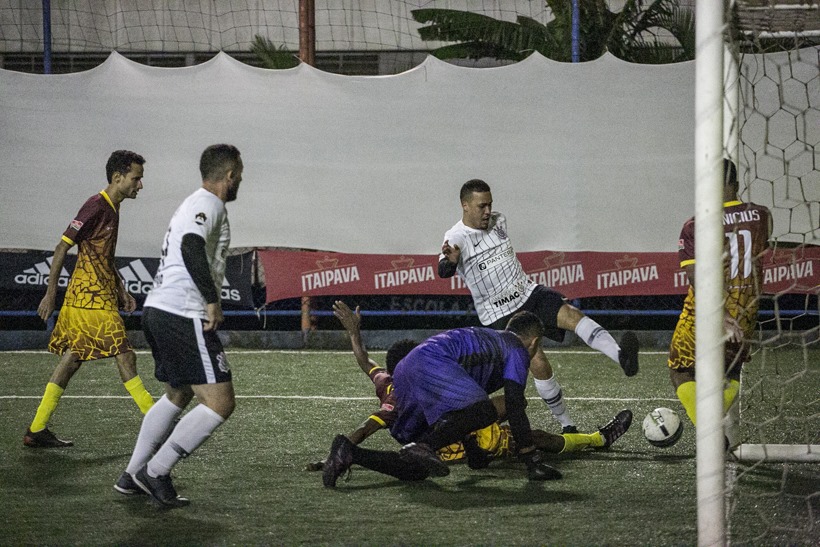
pixel 46 36
pixel 576 31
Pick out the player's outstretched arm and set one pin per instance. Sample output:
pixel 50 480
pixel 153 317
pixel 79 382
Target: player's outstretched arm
pixel 351 321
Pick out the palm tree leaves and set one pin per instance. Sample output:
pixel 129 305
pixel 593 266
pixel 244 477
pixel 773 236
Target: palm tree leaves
pixel 271 56
pixel 631 34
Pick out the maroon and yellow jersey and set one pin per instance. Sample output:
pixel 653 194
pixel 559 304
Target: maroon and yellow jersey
pixel 95 282
pixel 387 400
pixel 746 228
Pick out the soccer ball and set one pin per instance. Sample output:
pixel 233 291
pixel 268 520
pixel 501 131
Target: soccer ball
pixel 662 427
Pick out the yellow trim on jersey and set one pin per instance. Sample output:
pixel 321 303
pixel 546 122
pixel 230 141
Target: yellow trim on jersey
pixel 389 389
pixel 108 199
pixel 689 262
pixel 374 368
pixel 732 203
pixel 378 420
pixel 68 240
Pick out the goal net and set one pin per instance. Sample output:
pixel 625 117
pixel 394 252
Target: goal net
pixel 773 489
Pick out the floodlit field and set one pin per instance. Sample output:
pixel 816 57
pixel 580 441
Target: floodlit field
pixel 248 486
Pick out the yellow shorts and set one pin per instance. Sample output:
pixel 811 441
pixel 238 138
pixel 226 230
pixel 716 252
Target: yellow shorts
pixel 494 439
pixel 89 334
pixel 682 349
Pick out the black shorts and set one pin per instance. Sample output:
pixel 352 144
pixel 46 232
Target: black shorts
pixel 544 303
pixel 184 354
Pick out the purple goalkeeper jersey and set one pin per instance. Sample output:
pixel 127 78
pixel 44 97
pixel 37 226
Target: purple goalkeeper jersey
pixel 451 371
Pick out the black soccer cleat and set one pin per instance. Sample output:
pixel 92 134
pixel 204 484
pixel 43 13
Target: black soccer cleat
pixel 126 486
pixel 569 429
pixel 616 427
pixel 338 461
pixel 423 455
pixel 161 489
pixel 44 439
pixel 537 468
pixel 628 356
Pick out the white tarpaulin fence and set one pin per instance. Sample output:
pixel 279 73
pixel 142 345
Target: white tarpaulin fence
pixel 595 156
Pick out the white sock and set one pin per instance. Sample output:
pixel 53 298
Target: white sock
pixel 191 431
pixel 550 391
pixel 598 338
pixel 156 424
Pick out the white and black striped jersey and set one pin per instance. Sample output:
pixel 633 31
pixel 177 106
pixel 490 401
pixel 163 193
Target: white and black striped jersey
pixel 204 214
pixel 490 269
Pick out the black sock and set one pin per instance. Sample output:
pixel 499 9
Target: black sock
pixel 455 425
pixel 388 463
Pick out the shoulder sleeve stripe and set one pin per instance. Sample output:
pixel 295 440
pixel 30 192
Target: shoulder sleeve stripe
pixel 68 240
pixel 687 262
pixel 369 372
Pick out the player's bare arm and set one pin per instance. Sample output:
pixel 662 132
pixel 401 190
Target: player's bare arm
pixel 451 252
pixel 47 304
pixel 127 302
pixel 351 322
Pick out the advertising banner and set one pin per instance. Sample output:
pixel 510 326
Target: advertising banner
pixel 290 274
pixel 28 271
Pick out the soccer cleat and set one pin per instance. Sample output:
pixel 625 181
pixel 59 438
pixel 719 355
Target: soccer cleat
pixel 628 356
pixel 125 485
pixel 161 489
pixel 616 427
pixel 569 429
pixel 44 439
pixel 423 455
pixel 338 461
pixel 537 468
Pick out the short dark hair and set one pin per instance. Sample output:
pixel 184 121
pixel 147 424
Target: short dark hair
pixel 729 173
pixel 473 185
pixel 217 160
pixel 525 323
pixel 120 162
pixel 397 352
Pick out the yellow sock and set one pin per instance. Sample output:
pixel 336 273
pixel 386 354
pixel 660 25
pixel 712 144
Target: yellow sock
pixel 139 393
pixel 686 394
pixel 47 405
pixel 729 394
pixel 575 442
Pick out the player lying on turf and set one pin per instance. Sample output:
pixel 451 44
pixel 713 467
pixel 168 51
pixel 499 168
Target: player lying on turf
pixel 495 439
pixel 482 446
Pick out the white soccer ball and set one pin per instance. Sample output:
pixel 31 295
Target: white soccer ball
pixel 662 427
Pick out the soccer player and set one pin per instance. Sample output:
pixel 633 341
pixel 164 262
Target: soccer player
pixel 89 326
pixel 442 389
pixel 494 441
pixel 747 228
pixel 180 319
pixel 478 248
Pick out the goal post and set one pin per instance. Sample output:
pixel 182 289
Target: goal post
pixel 709 150
pixel 772 480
